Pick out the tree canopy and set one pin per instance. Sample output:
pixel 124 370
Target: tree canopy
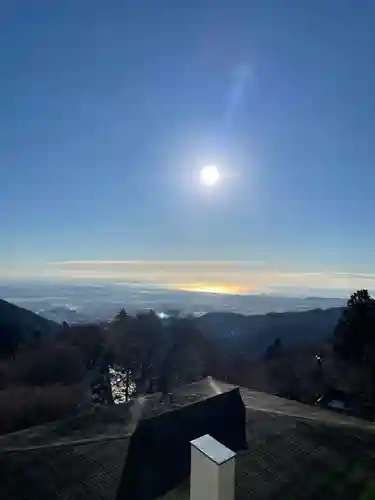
pixel 355 332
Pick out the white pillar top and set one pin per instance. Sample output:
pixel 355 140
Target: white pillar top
pixel 214 450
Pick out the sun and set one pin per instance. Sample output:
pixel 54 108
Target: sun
pixel 209 175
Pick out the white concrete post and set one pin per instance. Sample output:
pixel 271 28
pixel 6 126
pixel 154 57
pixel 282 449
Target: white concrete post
pixel 212 471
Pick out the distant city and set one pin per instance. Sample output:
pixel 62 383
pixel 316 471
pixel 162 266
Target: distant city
pixel 77 302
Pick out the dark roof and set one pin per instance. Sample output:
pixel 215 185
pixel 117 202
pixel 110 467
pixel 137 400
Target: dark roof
pixel 158 457
pixel 294 451
pixel 72 471
pixel 296 460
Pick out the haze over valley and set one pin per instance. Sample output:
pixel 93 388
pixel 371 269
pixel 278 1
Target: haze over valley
pixel 82 302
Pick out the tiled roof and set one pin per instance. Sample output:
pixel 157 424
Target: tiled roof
pixel 295 451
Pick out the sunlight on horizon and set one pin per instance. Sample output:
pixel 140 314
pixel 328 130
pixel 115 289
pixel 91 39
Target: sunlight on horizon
pixel 232 277
pixel 213 288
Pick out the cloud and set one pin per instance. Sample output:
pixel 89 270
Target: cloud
pixel 337 280
pixel 234 276
pixel 157 262
pixel 365 276
pixel 166 272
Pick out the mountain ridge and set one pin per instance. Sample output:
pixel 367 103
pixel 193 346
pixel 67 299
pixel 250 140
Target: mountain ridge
pixel 15 320
pixel 254 333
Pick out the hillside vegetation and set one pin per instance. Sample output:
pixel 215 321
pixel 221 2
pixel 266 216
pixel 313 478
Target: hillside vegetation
pixel 48 370
pixel 18 325
pixel 253 334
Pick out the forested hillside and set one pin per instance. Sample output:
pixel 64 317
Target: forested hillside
pixel 18 325
pixel 253 334
pixel 48 370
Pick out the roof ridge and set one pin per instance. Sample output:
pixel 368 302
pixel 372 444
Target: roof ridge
pixel 56 444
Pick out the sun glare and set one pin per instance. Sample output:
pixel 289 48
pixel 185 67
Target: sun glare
pixel 213 288
pixel 209 175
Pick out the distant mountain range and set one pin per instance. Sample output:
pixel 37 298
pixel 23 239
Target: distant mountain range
pixel 253 334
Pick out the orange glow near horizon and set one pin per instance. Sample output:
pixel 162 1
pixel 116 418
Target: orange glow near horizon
pixel 212 288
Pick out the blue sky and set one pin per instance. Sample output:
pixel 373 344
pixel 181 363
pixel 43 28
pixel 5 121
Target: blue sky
pixel 109 110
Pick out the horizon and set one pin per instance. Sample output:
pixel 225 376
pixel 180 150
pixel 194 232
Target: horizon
pixel 87 300
pixel 149 287
pixel 112 112
pixel 202 276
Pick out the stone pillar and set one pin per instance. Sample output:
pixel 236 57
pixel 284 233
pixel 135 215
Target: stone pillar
pixel 212 473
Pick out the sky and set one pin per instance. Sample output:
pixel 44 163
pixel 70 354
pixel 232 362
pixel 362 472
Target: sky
pixel 110 109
